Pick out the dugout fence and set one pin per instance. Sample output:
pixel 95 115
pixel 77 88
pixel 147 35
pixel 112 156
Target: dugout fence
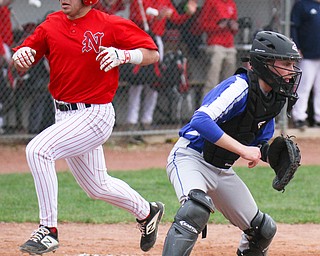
pixel 26 107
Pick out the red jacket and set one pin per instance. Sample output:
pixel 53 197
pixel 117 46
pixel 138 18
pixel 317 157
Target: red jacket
pixel 212 12
pixel 157 26
pixel 5 25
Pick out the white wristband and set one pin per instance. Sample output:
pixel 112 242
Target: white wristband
pixel 136 56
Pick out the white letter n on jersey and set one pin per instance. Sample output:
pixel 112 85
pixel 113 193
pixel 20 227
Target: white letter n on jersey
pixel 91 41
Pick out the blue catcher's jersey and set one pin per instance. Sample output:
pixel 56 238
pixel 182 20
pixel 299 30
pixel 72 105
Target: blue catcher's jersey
pixel 224 102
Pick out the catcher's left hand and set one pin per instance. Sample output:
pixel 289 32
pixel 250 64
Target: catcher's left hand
pixel 284 157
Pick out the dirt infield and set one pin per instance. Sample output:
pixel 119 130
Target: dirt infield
pixel 123 239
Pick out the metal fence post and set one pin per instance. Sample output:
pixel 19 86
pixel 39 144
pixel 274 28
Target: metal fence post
pixel 283 121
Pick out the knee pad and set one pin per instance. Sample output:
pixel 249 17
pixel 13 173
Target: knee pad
pixel 263 229
pixel 195 212
pixel 190 220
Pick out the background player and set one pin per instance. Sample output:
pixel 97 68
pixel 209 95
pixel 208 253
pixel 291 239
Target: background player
pixel 236 119
pixel 83 46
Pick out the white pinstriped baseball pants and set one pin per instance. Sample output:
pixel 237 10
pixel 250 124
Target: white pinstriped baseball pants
pixel 77 136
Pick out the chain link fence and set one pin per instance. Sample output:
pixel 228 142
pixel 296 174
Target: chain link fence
pixel 26 107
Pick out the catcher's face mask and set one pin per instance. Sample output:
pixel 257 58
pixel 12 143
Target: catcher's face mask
pixel 272 58
pixel 284 77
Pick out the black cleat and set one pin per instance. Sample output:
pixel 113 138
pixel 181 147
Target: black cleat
pixel 149 226
pixel 42 240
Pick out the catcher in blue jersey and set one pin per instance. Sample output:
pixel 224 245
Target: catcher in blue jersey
pixel 236 119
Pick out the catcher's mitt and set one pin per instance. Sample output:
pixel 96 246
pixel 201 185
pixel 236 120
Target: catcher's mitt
pixel 284 158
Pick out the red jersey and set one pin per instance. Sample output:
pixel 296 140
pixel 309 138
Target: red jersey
pixel 71 47
pixel 212 12
pixel 5 25
pixel 156 25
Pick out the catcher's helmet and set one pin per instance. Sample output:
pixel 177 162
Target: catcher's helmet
pixel 89 2
pixel 267 47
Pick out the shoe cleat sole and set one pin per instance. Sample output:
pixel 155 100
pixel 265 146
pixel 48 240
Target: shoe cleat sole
pixel 35 254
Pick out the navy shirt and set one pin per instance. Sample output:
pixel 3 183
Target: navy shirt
pixel 305 28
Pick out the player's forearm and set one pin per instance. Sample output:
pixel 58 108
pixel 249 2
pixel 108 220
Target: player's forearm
pixel 149 56
pixel 249 153
pixel 110 57
pixel 227 142
pixel 209 129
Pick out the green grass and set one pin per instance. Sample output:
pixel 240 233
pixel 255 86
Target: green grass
pixel 299 204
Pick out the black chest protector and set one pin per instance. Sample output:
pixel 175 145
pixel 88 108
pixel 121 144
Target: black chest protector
pixel 244 128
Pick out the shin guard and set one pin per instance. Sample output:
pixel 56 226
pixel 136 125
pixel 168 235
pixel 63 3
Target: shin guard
pixel 190 220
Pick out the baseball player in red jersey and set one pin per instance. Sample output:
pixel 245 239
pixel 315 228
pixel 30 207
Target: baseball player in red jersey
pixel 84 48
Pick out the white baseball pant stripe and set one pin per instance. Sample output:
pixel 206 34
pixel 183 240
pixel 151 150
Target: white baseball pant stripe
pixel 78 136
